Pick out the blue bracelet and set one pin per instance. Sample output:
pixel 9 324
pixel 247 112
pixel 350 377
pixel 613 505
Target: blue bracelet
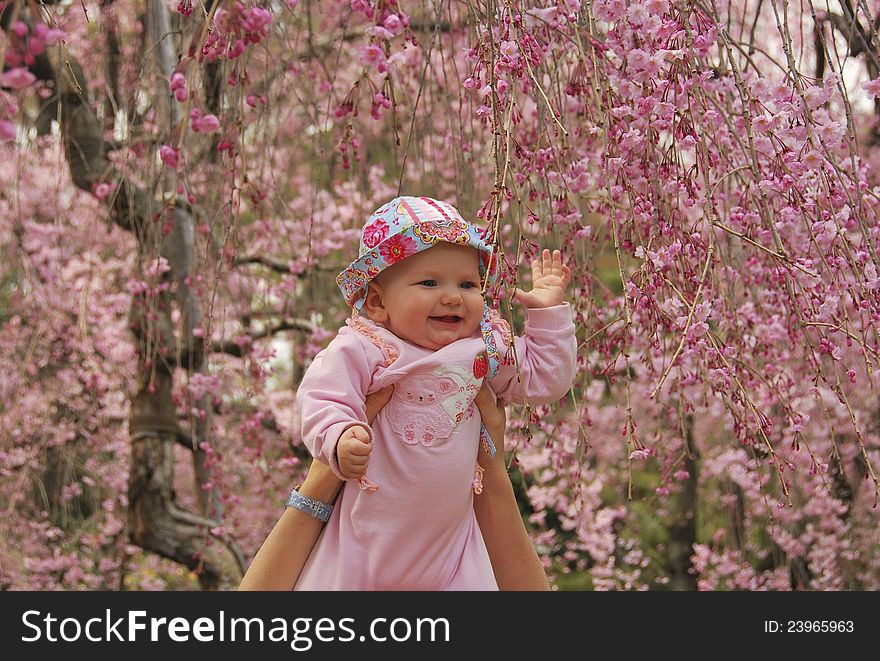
pixel 310 506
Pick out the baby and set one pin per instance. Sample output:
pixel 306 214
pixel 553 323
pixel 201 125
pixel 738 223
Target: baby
pixel 419 322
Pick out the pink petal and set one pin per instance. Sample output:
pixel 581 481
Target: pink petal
pixel 17 78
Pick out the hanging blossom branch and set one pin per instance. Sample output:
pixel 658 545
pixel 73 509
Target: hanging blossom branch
pixel 675 131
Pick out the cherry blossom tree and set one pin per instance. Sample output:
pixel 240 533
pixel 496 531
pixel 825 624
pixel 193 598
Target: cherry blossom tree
pixel 182 181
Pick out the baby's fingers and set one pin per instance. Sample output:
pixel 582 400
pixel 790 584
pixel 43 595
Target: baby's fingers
pixel 537 270
pixel 358 462
pixel 547 260
pixel 557 261
pixel 359 433
pixel 355 471
pixel 361 449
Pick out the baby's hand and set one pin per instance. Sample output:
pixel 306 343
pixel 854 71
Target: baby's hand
pixel 550 277
pixel 353 452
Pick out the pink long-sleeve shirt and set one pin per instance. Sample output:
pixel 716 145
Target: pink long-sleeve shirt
pixel 418 531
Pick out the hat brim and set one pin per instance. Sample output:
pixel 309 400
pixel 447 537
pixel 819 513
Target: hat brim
pixel 407 241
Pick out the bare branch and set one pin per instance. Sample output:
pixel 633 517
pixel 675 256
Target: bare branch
pixel 275 264
pixel 234 349
pixel 856 39
pixel 281 267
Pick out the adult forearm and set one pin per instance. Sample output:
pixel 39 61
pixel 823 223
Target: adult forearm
pixel 280 560
pixel 514 560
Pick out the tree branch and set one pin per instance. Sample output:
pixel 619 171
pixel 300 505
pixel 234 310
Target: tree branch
pixel 274 264
pixel 233 349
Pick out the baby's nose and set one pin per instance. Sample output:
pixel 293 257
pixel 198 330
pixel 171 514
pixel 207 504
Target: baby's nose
pixel 451 296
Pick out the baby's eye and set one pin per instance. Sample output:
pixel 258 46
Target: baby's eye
pixel 469 285
pixel 429 283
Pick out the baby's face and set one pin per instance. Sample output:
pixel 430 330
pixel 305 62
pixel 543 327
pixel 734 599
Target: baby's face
pixel 433 298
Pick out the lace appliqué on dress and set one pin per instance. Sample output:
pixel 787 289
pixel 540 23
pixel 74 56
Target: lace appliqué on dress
pixel 357 324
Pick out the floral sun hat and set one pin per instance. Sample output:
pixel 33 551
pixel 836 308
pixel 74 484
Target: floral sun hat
pixel 406 226
pixel 401 228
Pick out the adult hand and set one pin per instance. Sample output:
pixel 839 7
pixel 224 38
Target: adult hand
pixel 374 402
pixel 494 418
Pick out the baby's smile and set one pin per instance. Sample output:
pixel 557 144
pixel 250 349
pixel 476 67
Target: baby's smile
pixel 448 320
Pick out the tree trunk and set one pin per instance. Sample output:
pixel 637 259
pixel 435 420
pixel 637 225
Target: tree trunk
pixel 683 532
pixel 157 524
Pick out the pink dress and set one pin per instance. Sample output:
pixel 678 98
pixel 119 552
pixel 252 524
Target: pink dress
pixel 418 531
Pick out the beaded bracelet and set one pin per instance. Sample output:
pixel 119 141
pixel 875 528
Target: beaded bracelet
pixel 310 506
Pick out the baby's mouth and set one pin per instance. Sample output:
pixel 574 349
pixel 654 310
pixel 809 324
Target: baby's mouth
pixel 448 319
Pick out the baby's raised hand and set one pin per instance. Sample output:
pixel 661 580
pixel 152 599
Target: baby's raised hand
pixel 550 277
pixel 353 452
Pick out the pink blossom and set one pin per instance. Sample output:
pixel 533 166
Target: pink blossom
pixel 813 159
pixel 363 7
pixel 815 96
pixel 379 31
pixel 178 86
pixel 393 24
pixel 509 49
pixel 206 124
pixel 7 130
pixel 35 45
pixel 638 59
pixel 762 123
pixel 380 101
pixel 343 109
pixel 49 35
pixel 829 348
pixel 102 190
pixel 170 156
pixel 637 14
pixel 872 87
pixel 17 78
pixel 372 55
pixel 609 10
pixel 658 7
